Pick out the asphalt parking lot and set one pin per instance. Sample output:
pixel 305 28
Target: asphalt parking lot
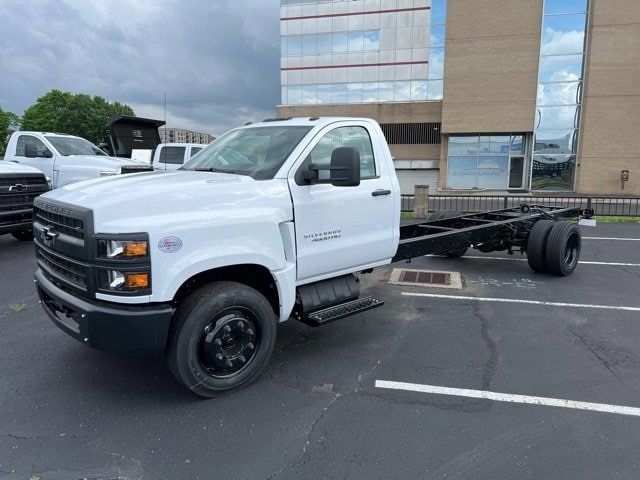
pixel 320 410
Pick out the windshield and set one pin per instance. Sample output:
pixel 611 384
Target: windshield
pixel 74 146
pixel 258 152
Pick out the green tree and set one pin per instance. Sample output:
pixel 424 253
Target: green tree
pixel 9 122
pixel 75 114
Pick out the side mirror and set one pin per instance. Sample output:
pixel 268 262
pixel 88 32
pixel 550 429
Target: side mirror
pixel 47 153
pixel 30 150
pixel 344 169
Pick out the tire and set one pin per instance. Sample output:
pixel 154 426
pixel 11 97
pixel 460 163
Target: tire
pixel 23 235
pixel 563 248
pixel 222 338
pixel 537 245
pixel 453 253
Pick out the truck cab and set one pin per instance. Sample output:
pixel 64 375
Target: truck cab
pixel 65 159
pixel 171 156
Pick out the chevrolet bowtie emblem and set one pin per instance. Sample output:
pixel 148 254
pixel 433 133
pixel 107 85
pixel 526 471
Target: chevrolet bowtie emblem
pixel 18 187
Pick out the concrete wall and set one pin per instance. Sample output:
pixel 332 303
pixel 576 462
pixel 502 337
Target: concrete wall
pixel 610 138
pixel 417 112
pixel 491 65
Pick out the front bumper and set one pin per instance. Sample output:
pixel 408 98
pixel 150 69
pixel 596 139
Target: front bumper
pixel 115 328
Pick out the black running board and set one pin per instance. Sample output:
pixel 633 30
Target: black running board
pixel 330 314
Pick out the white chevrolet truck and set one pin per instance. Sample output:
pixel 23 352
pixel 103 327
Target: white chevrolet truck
pixel 271 221
pixel 65 158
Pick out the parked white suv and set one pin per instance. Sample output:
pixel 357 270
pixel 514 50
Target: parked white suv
pixel 65 158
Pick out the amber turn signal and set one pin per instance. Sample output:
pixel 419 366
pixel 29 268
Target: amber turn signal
pixel 134 249
pixel 136 280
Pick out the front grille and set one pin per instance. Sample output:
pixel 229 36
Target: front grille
pixel 34 180
pixel 17 202
pixel 68 268
pixel 73 227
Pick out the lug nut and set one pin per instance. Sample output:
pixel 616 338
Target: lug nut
pixel 229 363
pixel 226 329
pixel 250 331
pixel 219 356
pixel 218 342
pixel 241 324
pixel 242 359
pixel 250 346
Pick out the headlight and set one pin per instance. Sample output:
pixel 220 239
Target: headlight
pixel 116 281
pixel 123 249
pixel 107 173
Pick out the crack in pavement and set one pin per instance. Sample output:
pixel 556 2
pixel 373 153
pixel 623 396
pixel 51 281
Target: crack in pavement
pixel 602 360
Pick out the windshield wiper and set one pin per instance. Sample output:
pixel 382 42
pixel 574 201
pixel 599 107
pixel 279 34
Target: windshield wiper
pixel 214 169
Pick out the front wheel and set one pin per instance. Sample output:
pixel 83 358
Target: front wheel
pixel 23 235
pixel 222 338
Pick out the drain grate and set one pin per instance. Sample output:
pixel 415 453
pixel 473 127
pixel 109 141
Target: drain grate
pixel 432 278
pixel 425 278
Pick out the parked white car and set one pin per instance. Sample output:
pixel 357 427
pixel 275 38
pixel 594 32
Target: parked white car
pixel 65 158
pixel 171 156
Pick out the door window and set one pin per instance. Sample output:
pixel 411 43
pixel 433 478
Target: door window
pixel 24 140
pixel 194 150
pixel 354 137
pixel 172 155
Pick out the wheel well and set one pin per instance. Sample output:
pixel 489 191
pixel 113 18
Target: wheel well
pixel 254 276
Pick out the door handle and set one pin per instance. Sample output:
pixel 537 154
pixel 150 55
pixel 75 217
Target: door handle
pixel 379 192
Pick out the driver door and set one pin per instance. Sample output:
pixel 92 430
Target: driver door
pixel 342 229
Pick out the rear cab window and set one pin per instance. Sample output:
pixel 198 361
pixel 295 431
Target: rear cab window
pixel 172 155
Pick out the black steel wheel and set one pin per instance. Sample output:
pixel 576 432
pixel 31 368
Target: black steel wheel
pixel 222 337
pixel 563 248
pixel 537 245
pixel 461 251
pixel 23 235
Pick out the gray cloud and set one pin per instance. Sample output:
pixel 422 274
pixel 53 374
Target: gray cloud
pixel 218 60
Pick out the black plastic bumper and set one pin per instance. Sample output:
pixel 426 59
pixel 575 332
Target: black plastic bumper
pixel 119 329
pixel 15 227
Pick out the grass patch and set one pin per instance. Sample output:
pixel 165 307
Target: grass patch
pixel 616 219
pixel 406 215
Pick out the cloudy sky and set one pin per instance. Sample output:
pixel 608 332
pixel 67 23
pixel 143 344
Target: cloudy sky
pixel 217 60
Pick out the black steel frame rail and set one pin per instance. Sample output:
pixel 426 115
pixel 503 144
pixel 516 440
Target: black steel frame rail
pixel 441 236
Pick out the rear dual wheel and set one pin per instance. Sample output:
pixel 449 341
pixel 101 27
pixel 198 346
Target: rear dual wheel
pixel 222 338
pixel 554 247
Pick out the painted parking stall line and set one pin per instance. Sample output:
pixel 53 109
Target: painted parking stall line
pixel 581 262
pixel 622 239
pixel 508 397
pixel 519 300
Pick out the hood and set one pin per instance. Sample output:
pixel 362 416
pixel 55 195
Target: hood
pixel 13 168
pixel 127 202
pixel 99 162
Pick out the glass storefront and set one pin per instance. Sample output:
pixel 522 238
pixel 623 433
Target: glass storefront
pixel 362 52
pixel 559 98
pixel 486 161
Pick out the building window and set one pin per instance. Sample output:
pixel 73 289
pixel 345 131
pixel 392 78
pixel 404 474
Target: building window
pixel 331 54
pixel 559 98
pixel 486 161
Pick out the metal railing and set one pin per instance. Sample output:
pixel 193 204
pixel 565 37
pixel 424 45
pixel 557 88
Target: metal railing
pixel 602 205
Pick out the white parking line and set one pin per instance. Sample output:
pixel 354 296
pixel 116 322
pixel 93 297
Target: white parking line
pixel 518 300
pixel 507 397
pixel 613 238
pixel 611 264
